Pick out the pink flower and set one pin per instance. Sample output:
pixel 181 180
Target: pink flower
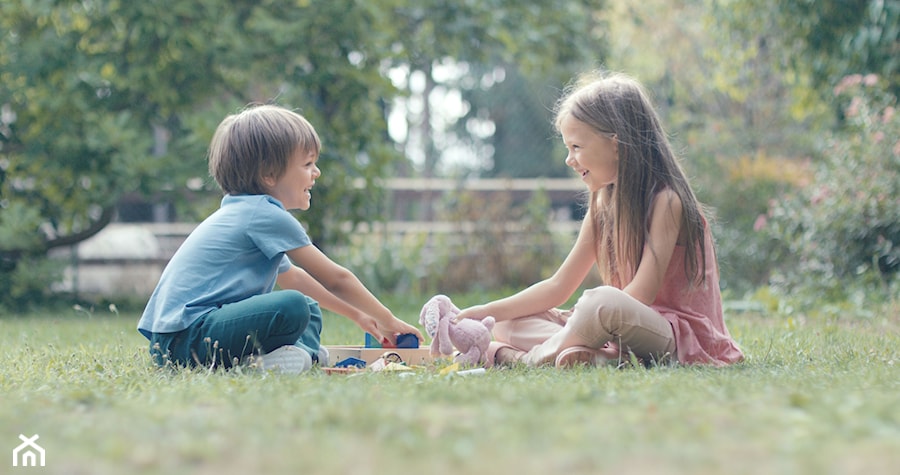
pixel 870 80
pixel 820 195
pixel 877 137
pixel 846 82
pixel 888 114
pixel 760 223
pixel 853 108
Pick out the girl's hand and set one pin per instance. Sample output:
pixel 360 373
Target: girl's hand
pixel 477 312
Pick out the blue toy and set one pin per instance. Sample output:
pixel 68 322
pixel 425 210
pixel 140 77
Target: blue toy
pixel 407 340
pixel 404 340
pixel 371 342
pixel 351 361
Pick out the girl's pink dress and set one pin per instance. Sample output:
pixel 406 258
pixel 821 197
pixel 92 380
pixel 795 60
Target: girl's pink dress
pixel 696 314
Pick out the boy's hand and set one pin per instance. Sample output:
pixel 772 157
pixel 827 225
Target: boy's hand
pixel 369 325
pixel 399 327
pixel 387 331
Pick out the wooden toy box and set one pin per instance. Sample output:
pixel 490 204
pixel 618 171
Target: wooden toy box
pixel 410 356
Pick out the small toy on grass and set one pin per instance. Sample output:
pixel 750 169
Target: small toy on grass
pixel 455 369
pixel 407 340
pixel 404 340
pixel 470 337
pixel 348 362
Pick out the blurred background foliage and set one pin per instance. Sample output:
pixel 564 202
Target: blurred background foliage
pixel 783 112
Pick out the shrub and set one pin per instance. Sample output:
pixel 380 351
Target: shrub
pixel 743 193
pixel 25 283
pixel 387 261
pixel 840 234
pixel 487 253
pixel 495 243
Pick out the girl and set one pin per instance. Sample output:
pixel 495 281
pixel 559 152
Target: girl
pixel 214 303
pixel 646 232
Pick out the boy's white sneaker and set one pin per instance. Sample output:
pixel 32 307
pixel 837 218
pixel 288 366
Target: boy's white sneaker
pixel 322 356
pixel 288 359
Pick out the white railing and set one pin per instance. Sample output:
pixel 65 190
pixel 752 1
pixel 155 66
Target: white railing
pixel 128 258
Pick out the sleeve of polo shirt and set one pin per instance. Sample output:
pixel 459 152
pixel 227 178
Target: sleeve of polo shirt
pixel 275 231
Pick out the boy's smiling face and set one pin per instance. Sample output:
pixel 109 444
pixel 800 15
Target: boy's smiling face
pixel 293 188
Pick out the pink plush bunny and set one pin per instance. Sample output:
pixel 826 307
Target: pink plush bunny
pixel 470 337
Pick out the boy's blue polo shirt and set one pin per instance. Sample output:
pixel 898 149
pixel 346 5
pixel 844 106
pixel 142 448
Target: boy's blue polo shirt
pixel 235 253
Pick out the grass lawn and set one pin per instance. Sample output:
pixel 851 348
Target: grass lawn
pixel 813 397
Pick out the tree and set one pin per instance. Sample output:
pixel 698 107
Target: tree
pixel 329 59
pixel 505 58
pixel 523 142
pixel 822 40
pixel 848 37
pixel 105 98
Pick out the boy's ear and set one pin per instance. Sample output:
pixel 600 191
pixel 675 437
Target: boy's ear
pixel 269 181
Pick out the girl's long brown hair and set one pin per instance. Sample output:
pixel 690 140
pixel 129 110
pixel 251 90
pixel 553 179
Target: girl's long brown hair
pixel 615 104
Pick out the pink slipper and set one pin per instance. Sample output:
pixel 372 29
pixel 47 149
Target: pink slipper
pixel 579 355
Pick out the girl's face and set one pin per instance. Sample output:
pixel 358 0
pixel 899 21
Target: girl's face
pixel 592 155
pixel 294 187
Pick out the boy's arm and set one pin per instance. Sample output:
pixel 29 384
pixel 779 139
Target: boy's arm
pixel 296 278
pixel 342 285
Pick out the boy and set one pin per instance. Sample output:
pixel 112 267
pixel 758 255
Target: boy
pixel 214 303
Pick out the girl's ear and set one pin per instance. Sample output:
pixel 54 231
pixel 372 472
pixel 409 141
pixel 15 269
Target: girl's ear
pixel 269 181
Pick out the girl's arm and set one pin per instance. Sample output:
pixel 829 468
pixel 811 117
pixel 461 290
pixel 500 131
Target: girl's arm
pixel 665 225
pixel 344 286
pixel 548 293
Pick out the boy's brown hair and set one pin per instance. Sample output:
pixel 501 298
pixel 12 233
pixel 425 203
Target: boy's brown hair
pixel 257 143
